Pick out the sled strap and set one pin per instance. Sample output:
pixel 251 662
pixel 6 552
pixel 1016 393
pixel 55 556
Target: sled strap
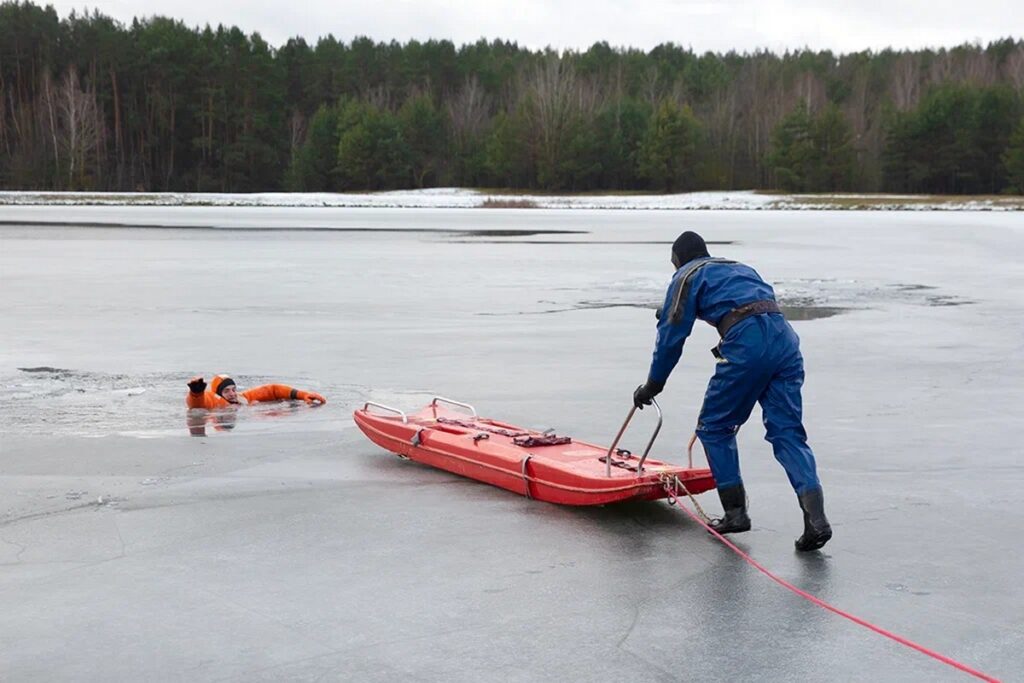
pixel 529 441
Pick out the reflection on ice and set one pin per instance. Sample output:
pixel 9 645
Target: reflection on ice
pixel 218 420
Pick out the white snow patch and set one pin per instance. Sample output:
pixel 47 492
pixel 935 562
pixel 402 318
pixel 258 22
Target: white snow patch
pixel 462 198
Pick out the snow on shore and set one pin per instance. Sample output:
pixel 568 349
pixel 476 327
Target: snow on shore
pixel 460 198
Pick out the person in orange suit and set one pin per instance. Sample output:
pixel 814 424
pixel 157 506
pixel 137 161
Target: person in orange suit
pixel 222 392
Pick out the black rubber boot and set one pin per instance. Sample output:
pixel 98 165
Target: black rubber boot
pixel 734 503
pixel 817 530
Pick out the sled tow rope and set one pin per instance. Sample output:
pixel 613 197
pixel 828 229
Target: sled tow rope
pixel 674 487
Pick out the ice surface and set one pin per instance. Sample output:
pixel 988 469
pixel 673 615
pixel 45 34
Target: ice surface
pixel 287 547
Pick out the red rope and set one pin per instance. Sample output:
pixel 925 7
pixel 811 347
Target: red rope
pixel 673 497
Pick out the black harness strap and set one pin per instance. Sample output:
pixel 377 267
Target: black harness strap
pixel 675 315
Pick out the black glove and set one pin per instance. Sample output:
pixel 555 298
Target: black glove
pixel 657 313
pixel 197 385
pixel 645 393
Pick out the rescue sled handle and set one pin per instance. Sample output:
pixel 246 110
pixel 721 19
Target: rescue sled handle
pixel 442 399
pixel 629 417
pixel 405 420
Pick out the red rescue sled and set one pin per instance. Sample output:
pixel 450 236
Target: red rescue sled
pixel 534 464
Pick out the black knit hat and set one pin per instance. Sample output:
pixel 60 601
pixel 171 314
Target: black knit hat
pixel 225 383
pixel 689 246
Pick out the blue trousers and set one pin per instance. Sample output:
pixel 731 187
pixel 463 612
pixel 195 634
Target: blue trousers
pixel 762 364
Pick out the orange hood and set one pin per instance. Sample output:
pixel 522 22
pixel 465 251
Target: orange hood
pixel 220 382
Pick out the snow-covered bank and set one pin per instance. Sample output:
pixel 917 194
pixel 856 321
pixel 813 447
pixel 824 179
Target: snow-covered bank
pixel 460 198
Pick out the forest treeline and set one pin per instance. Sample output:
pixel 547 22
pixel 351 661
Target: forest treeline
pixel 89 103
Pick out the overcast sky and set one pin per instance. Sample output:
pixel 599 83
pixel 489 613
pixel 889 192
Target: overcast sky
pixel 718 25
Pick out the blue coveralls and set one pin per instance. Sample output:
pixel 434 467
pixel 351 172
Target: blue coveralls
pixel 760 362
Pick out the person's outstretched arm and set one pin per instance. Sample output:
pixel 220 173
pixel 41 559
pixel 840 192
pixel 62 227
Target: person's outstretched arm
pixel 281 392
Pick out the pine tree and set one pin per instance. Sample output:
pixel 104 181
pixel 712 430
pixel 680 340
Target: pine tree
pixel 314 167
pixel 833 152
pixel 669 153
pixel 372 152
pixel 424 132
pixel 507 159
pixel 1013 160
pixel 793 154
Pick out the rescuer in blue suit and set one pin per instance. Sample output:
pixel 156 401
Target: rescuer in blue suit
pixel 759 361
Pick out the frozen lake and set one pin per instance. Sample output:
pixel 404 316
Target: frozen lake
pixel 290 547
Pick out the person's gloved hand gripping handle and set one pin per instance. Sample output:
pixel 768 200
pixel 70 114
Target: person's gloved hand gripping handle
pixel 645 393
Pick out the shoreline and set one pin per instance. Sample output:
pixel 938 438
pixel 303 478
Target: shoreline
pixel 461 198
